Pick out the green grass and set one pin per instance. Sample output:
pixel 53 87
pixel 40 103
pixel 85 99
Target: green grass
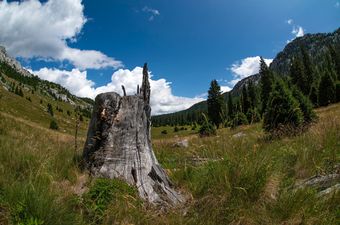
pixel 227 179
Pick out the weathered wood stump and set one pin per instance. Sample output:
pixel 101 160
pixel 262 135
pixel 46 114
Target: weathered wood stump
pixel 118 145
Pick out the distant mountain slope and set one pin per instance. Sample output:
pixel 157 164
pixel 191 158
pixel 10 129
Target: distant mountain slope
pixel 24 95
pixel 316 46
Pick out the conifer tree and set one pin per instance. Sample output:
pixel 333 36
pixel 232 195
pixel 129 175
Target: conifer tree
pixel 252 95
pixel 298 76
pixel 230 107
pixel 326 90
pixel 50 109
pixel 335 56
pixel 305 106
pixel 245 100
pixel 308 69
pixel 337 91
pixel 283 109
pixel 215 103
pixel 267 80
pixel 313 95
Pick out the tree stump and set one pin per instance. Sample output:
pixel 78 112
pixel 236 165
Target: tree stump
pixel 118 145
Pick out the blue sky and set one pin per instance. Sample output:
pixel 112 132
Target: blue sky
pixel 187 43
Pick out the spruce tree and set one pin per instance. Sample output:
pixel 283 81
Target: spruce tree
pixel 252 95
pixel 298 76
pixel 283 110
pixel 267 80
pixel 245 100
pixel 215 103
pixel 335 56
pixel 50 109
pixel 308 69
pixel 313 95
pixel 306 106
pixel 230 107
pixel 326 90
pixel 337 91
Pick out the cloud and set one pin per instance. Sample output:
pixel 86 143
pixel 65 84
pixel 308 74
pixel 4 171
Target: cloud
pixel 245 68
pixel 225 89
pixel 337 5
pixel 31 29
pixel 152 12
pixel 162 100
pixel 297 30
pixel 290 21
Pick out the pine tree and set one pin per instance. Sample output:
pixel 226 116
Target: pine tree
pixel 306 106
pixel 245 100
pixel 298 76
pixel 313 95
pixel 337 91
pixel 252 95
pixel 231 110
pixel 267 80
pixel 326 90
pixel 283 110
pixel 335 56
pixel 308 69
pixel 50 109
pixel 215 104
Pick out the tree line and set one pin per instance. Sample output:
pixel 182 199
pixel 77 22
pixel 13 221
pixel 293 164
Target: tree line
pixel 277 100
pixel 285 103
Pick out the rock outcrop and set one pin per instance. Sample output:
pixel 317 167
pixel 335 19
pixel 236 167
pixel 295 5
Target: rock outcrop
pixel 4 57
pixel 118 145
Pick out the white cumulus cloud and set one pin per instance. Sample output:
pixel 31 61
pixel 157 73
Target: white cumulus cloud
pixel 297 30
pixel 153 12
pixel 31 29
pixel 245 68
pixel 290 21
pixel 162 100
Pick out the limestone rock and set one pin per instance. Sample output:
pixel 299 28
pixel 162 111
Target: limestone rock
pixel 118 145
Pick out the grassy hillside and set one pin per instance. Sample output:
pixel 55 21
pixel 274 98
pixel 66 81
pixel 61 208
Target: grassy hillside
pixel 237 177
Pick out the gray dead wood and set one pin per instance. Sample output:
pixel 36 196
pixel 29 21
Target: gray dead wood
pixel 118 145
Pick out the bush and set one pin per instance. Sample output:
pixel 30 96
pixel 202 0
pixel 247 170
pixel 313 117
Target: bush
pixel 194 126
pixel 176 129
pixel 253 116
pixel 207 128
pixel 164 132
pixel 50 109
pixel 283 111
pixel 239 119
pixel 54 125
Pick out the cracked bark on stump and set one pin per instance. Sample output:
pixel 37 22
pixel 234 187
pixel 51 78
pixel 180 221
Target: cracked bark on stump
pixel 118 145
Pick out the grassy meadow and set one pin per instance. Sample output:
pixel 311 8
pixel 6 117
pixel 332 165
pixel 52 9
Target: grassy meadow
pixel 236 177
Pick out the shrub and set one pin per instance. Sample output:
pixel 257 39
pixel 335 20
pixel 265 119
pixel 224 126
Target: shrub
pixel 282 111
pixel 239 119
pixel 50 109
pixel 164 132
pixel 54 125
pixel 207 128
pixel 176 129
pixel 253 116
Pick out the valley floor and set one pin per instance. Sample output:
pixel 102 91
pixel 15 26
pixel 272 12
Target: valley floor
pixel 236 177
